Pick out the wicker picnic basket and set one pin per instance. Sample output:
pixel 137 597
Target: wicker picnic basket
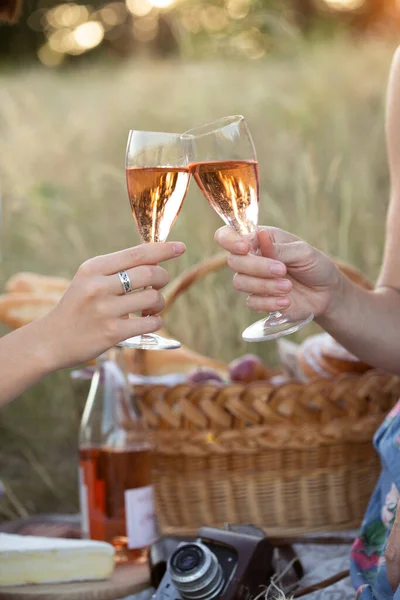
pixel 292 459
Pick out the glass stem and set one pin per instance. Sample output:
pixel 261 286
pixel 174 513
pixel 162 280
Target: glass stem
pixel 145 313
pixel 256 251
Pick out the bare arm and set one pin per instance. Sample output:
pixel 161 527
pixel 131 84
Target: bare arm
pixel 90 318
pixel 365 322
pixel 368 323
pixel 25 358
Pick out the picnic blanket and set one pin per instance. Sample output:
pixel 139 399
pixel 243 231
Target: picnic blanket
pixel 319 560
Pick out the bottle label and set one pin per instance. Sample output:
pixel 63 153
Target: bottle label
pixel 141 524
pixel 83 499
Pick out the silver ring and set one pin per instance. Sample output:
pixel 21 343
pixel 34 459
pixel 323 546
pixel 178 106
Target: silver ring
pixel 126 282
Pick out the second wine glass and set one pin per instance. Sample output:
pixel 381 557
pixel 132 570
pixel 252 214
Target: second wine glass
pixel 157 177
pixel 222 158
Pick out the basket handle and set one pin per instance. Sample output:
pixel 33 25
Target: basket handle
pixel 213 263
pixel 189 277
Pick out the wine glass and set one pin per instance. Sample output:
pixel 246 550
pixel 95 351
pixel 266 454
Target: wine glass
pixel 157 178
pixel 222 159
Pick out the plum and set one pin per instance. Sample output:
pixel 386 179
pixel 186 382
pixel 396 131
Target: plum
pixel 248 368
pixel 203 375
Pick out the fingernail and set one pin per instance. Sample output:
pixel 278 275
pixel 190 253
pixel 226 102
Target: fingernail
pixel 283 285
pixel 283 302
pixel 277 268
pixel 241 246
pixel 179 247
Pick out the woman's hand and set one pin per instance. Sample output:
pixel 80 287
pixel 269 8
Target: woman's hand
pixel 286 275
pixel 93 314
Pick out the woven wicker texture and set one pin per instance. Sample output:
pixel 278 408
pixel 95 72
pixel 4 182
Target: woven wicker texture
pixel 292 459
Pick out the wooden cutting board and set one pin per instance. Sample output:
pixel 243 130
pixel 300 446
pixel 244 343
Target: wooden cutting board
pixel 126 580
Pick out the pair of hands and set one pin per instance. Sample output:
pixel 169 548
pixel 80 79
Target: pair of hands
pixel 287 274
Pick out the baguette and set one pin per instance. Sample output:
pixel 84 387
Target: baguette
pixel 36 284
pixel 162 362
pixel 17 310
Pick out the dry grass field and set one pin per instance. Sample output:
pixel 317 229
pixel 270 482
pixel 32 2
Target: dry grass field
pixel 317 116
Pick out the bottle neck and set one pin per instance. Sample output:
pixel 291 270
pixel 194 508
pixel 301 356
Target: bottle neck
pixel 111 416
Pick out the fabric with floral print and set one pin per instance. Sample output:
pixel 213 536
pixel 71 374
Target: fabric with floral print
pixel 367 560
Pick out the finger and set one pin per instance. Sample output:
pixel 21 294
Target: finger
pixel 149 301
pixel 271 239
pixel 140 277
pixel 261 287
pixel 278 235
pixel 392 553
pixel 145 254
pixel 295 254
pixel 228 239
pixel 137 326
pixel 256 266
pixel 267 304
pixel 266 240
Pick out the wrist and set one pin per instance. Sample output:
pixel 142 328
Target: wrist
pixel 337 293
pixel 47 358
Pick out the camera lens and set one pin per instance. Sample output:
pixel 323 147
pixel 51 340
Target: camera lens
pixel 196 572
pixel 188 557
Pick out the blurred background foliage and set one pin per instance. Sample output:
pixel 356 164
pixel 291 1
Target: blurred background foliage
pixel 59 33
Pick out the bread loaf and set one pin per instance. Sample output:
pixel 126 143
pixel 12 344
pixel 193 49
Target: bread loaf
pixel 322 356
pixel 163 362
pixel 37 284
pixel 17 310
pixel 309 359
pixel 337 360
pixel 29 296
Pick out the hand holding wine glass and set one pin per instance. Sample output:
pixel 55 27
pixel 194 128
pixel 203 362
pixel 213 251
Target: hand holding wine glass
pixel 157 178
pixel 289 273
pixel 222 159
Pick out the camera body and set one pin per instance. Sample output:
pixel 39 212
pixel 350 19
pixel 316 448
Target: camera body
pixel 232 564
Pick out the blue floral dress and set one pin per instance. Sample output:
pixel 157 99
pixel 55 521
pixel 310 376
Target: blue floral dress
pixel 367 563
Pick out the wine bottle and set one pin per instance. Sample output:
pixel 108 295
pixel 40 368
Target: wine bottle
pixel 115 465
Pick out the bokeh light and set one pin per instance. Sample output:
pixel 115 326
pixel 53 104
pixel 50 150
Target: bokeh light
pixel 162 3
pixel 50 57
pixel 345 4
pixel 238 9
pixel 250 43
pixel 112 14
pixel 202 27
pixel 61 40
pixel 67 15
pixel 190 19
pixel 139 8
pixel 214 18
pixel 89 35
pixel 146 28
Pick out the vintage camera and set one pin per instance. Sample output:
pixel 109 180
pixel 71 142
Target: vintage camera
pixel 231 564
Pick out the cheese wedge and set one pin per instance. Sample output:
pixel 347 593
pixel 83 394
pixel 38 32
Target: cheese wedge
pixel 31 559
